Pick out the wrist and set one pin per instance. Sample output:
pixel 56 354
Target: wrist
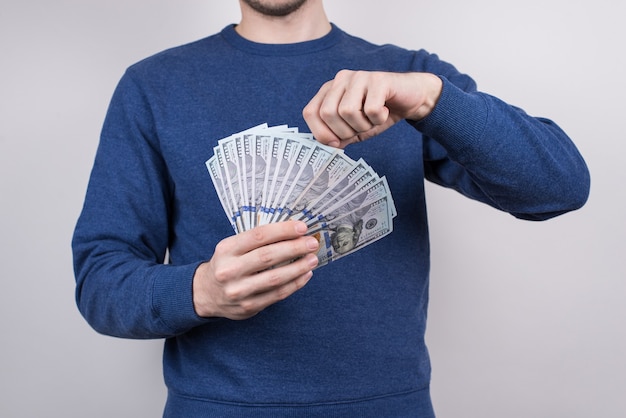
pixel 432 86
pixel 200 295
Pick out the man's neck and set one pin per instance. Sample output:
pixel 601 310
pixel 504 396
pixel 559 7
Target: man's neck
pixel 307 23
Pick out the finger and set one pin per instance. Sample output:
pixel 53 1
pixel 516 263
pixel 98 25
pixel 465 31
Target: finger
pixel 258 302
pixel 279 293
pixel 331 108
pixel 351 105
pixel 355 116
pixel 374 103
pixel 312 116
pixel 266 234
pixel 274 280
pixel 278 254
pixel 262 289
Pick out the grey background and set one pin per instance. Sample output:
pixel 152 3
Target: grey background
pixel 526 319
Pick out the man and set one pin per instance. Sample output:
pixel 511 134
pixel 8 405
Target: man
pixel 245 340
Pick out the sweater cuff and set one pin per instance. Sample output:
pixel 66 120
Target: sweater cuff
pixel 457 121
pixel 172 298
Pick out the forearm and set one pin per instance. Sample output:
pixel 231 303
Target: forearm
pixel 523 165
pixel 125 296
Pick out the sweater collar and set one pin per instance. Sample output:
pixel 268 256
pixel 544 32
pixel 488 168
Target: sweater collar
pixel 300 48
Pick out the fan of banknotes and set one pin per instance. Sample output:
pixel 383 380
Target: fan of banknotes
pixel 272 174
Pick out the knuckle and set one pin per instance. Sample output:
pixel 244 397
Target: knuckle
pixel 222 275
pixel 265 257
pixel 373 76
pixel 343 74
pixel 371 110
pixel 348 112
pixel 223 269
pixel 308 112
pixel 222 247
pixel 326 112
pixel 233 295
pixel 274 280
pixel 258 234
pixel 284 292
pixel 248 308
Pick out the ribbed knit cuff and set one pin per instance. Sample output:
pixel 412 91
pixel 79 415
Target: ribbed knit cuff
pixel 173 298
pixel 457 121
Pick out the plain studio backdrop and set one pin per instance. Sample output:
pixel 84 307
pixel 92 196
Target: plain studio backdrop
pixel 526 319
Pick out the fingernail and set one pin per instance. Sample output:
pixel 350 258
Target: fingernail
pixel 301 227
pixel 312 244
pixel 312 260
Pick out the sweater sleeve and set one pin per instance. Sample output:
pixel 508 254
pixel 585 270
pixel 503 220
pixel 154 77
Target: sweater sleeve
pixel 495 153
pixel 123 287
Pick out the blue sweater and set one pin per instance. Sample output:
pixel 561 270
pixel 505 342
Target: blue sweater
pixel 351 342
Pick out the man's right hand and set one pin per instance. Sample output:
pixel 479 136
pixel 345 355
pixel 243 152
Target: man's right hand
pixel 237 283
